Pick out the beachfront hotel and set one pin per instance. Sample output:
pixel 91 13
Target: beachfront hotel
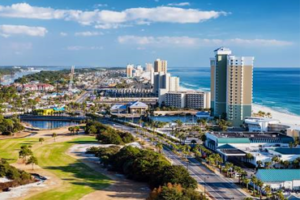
pixel 231 86
pixel 160 66
pixel 129 70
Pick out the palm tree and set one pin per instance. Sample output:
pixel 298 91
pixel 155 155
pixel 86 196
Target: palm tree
pixel 259 163
pixel 54 136
pixel 280 195
pixel 260 184
pixel 33 161
pixel 238 171
pixel 275 160
pixel 268 190
pixel 254 181
pixel 286 164
pixel 249 156
pixel 247 181
pixel 159 146
pixel 41 140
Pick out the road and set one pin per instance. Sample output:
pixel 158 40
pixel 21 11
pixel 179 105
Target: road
pixel 83 97
pixel 216 185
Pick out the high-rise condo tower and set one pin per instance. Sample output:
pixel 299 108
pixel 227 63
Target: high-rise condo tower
pixel 231 86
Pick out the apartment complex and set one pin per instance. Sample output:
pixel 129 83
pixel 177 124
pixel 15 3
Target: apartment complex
pixel 175 99
pixel 160 66
pixel 164 82
pixel 149 67
pixel 187 99
pixel 129 70
pixel 231 86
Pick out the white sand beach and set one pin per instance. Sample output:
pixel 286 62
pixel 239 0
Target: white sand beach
pixel 284 118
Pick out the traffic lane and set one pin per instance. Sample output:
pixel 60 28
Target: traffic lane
pixel 217 181
pixel 193 172
pixel 224 188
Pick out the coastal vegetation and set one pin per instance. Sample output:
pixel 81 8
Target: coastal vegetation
pixel 10 126
pixel 107 135
pixel 51 77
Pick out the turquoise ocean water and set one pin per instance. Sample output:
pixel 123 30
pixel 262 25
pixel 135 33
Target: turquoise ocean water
pixel 276 88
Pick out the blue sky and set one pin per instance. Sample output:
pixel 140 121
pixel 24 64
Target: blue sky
pixel 118 32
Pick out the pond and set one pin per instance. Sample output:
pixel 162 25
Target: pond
pixel 50 124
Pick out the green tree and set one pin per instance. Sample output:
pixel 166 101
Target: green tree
pixel 178 174
pixel 33 161
pixel 41 140
pixel 54 135
pixel 24 152
pixel 254 182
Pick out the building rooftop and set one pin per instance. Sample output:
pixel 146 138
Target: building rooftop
pixel 251 137
pixel 288 151
pixel 228 149
pixel 260 119
pixel 278 175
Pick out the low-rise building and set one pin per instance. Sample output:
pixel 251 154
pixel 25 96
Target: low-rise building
pixel 134 107
pixel 236 145
pixel 257 124
pixel 280 178
pixel 186 99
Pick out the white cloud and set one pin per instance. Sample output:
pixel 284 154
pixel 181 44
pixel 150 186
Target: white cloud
pixel 8 30
pixel 79 48
pixel 63 34
pixel 185 41
pixel 108 18
pixel 180 4
pixel 88 33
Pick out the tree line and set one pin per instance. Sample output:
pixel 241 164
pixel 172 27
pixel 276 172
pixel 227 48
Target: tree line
pixel 167 181
pixel 10 126
pixel 107 135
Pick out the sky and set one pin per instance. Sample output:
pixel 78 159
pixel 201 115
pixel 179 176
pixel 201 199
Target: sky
pixel 114 33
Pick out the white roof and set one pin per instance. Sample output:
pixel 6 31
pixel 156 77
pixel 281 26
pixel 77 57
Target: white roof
pixel 138 104
pixel 260 120
pixel 222 51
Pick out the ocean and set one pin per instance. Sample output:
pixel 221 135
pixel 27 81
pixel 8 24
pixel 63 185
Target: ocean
pixel 276 88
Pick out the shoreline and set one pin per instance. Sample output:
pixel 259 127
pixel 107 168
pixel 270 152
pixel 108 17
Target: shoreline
pixel 283 117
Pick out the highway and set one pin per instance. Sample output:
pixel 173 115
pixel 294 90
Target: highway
pixel 217 186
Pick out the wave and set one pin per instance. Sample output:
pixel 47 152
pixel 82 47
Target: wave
pixel 189 84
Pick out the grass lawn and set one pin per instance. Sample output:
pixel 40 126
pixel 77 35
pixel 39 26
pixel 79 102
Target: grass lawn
pixel 78 178
pixel 9 149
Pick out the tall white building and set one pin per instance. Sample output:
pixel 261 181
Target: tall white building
pixel 149 67
pixel 129 70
